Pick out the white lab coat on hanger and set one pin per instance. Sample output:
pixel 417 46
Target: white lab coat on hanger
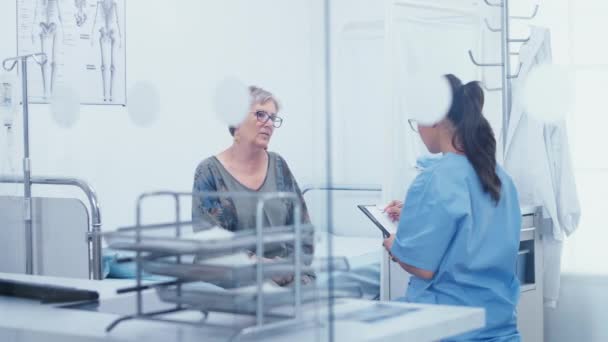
pixel 538 159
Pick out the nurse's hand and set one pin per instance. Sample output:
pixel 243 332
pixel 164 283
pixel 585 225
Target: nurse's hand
pixel 388 243
pixel 393 210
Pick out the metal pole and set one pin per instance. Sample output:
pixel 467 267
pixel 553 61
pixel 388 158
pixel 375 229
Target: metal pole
pixel 138 263
pixel 298 259
pixel 506 73
pixel 178 234
pixel 27 185
pixel 259 263
pixel 328 162
pixel 96 251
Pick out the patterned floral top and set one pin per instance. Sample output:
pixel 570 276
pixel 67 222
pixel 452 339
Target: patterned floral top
pixel 239 213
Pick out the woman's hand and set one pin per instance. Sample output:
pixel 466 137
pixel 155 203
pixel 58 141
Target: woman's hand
pixel 388 244
pixel 280 280
pixel 393 210
pixel 263 259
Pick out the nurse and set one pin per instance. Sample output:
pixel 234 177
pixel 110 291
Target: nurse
pixel 459 227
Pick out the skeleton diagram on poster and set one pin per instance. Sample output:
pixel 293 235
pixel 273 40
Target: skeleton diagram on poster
pixel 84 41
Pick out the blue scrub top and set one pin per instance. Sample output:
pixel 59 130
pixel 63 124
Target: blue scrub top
pixel 449 226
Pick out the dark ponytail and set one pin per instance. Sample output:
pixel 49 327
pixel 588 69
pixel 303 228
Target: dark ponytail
pixel 474 135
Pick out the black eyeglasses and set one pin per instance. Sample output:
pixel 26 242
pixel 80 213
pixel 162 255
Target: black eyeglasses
pixel 413 125
pixel 263 117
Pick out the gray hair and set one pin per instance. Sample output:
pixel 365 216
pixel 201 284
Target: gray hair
pixel 258 95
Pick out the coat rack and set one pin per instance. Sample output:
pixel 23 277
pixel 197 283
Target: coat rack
pixel 504 63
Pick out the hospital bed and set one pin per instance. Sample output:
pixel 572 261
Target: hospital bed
pixel 66 233
pixel 352 236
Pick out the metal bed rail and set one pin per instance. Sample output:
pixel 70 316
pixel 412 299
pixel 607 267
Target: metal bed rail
pixel 94 230
pixel 345 187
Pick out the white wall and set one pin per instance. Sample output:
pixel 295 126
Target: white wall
pixel 184 47
pixel 581 314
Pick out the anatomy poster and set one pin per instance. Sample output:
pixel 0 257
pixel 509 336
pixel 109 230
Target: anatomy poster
pixel 84 41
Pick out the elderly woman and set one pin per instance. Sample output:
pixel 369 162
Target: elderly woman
pixel 247 166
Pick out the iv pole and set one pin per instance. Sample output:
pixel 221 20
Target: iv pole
pixel 41 59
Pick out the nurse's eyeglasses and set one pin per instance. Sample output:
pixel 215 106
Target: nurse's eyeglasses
pixel 263 117
pixel 413 125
